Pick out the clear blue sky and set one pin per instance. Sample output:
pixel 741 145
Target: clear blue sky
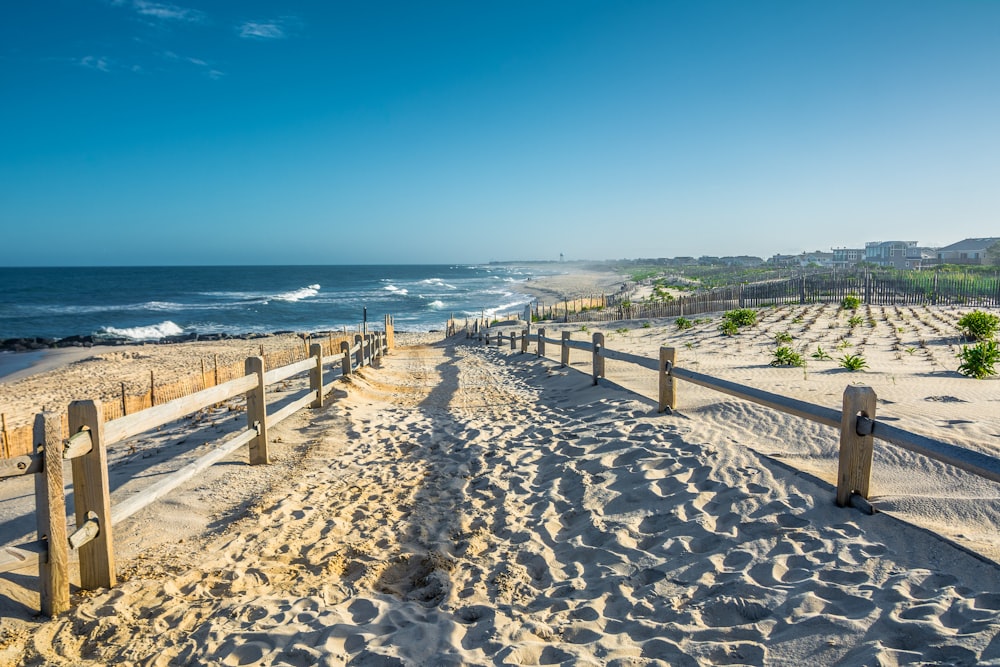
pixel 143 132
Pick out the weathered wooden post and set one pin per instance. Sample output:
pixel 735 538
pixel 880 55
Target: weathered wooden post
pixel 316 374
pixel 855 469
pixel 541 342
pixel 345 363
pixel 91 493
pixel 564 353
pixel 50 503
pixel 668 383
pixel 125 404
pixel 598 357
pixel 524 341
pixel 360 359
pixel 513 340
pixel 257 412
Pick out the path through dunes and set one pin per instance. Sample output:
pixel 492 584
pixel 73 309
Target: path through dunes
pixel 466 505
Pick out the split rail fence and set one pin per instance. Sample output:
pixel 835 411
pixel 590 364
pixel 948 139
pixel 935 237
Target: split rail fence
pixel 856 421
pixel 92 434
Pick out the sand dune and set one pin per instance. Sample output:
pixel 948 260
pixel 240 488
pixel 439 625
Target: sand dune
pixel 470 505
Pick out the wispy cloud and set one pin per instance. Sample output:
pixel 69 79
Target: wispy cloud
pixel 163 11
pixel 204 66
pixel 95 62
pixel 279 28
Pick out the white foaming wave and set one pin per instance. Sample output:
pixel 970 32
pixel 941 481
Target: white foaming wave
pixel 151 332
pixel 298 295
pixel 436 305
pixel 396 290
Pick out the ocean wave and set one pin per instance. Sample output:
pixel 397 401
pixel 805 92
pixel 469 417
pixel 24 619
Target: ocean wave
pixel 436 305
pixel 152 332
pixel 297 295
pixel 396 290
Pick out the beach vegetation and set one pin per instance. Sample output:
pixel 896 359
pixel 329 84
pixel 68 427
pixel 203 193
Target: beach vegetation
pixel 729 328
pixel 683 323
pixel 853 362
pixel 850 302
pixel 820 354
pixel 741 317
pixel 583 327
pixel 786 356
pixel 783 337
pixel 979 325
pixel 979 361
pixel 854 321
pixel 621 330
pixel 646 325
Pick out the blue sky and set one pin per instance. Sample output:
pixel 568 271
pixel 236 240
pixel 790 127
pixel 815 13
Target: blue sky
pixel 142 132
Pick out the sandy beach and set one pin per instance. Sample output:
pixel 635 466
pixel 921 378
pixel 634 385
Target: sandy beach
pixel 471 505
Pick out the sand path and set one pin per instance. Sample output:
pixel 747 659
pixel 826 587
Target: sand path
pixel 465 505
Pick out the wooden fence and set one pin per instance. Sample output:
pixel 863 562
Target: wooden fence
pixel 856 421
pixel 18 440
pixel 91 433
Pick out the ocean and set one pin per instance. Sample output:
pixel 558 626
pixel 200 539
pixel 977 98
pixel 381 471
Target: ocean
pixel 145 303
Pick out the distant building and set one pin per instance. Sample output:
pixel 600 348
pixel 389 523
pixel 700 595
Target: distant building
pixel 896 254
pixel 981 251
pixel 817 258
pixel 847 257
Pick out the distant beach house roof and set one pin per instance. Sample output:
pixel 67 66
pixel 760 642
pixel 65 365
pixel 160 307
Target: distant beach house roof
pixel 971 251
pixel 971 244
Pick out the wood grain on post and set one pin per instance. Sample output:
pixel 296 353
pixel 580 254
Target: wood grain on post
pixel 564 353
pixel 50 503
pixel 6 438
pixel 855 468
pixel 216 369
pixel 524 341
pixel 668 383
pixel 541 342
pixel 316 374
pixel 257 412
pixel 152 389
pixel 360 342
pixel 598 360
pixel 345 363
pixel 91 493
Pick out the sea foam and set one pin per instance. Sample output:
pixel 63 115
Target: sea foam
pixel 151 332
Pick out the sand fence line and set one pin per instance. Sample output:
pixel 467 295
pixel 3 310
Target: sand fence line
pixel 19 440
pixel 92 433
pixel 856 421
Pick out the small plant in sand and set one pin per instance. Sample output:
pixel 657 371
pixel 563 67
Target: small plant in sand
pixel 911 350
pixel 621 330
pixel 741 317
pixel 729 328
pixel 583 327
pixel 797 320
pixel 978 325
pixel 979 361
pixel 646 325
pixel 854 321
pixel 853 362
pixel 786 356
pixel 683 323
pixel 820 354
pixel 850 302
pixel 783 337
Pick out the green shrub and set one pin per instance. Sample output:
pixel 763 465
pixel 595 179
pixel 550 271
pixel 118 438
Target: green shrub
pixel 820 354
pixel 646 325
pixel 683 323
pixel 853 362
pixel 783 337
pixel 621 330
pixel 850 302
pixel 786 356
pixel 855 321
pixel 979 361
pixel 978 325
pixel 729 328
pixel 741 317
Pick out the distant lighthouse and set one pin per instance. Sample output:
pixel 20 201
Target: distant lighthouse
pixel 561 257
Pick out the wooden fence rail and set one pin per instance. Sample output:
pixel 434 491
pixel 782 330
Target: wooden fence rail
pixel 856 420
pixel 93 434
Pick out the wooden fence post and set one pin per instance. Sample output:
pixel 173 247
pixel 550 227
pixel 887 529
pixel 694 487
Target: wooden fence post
pixel 524 341
pixel 6 437
pixel 152 389
pixel 257 412
pixel 91 493
pixel 316 374
pixel 598 360
pixel 360 342
pixel 541 342
pixel 216 378
pixel 50 503
pixel 345 363
pixel 564 353
pixel 855 467
pixel 668 383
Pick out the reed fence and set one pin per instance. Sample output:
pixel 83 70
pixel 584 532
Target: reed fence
pixel 17 440
pixel 84 432
pixel 856 421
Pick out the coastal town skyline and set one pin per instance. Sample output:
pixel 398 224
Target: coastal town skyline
pixel 156 133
